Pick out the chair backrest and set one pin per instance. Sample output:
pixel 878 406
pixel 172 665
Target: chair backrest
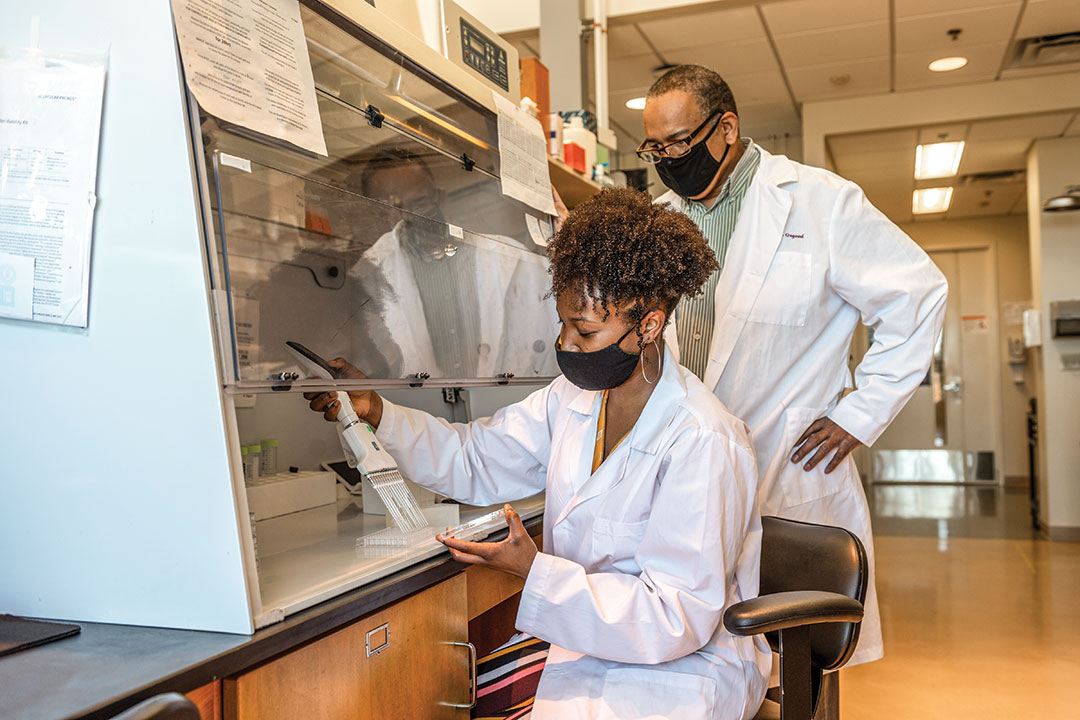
pixel 804 556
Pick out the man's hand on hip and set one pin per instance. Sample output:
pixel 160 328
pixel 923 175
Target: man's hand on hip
pixel 826 436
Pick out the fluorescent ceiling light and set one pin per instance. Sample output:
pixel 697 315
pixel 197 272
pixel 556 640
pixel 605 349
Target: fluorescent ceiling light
pixel 636 103
pixel 931 200
pixel 947 64
pixel 938 160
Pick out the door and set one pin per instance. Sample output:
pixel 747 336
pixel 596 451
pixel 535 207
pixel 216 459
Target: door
pixel 948 431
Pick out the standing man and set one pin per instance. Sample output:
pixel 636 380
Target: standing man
pixel 803 257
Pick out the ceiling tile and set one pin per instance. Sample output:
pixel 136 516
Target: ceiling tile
pixel 820 47
pixel 983 63
pixel 624 40
pixel 758 88
pixel 1074 128
pixel 995 155
pixel 1020 208
pixel 908 8
pixel 1049 17
pixel 973 201
pixel 801 15
pixel 980 26
pixel 891 163
pixel 703 28
pixel 767 118
pixel 870 141
pixel 727 58
pixel 1031 126
pixel 816 82
pixel 943 133
pixel 633 71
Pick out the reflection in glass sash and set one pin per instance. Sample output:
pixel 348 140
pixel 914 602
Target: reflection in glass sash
pixel 396 290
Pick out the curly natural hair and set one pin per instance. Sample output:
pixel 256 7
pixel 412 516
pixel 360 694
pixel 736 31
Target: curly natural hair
pixel 619 247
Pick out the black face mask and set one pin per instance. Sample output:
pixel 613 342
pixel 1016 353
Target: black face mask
pixel 690 174
pixel 602 369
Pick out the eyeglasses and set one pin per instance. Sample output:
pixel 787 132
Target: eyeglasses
pixel 656 153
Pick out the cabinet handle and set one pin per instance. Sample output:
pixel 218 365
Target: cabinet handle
pixel 384 641
pixel 472 676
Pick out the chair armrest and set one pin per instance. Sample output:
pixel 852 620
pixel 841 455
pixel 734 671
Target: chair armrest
pixel 779 611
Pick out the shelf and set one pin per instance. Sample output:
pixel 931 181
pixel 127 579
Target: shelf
pixel 573 187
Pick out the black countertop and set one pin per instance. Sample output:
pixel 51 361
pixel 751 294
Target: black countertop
pixel 107 668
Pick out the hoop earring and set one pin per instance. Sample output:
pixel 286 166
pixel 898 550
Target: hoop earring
pixel 659 363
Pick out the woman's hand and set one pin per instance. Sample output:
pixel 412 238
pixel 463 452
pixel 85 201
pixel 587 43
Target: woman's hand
pixel 513 555
pixel 367 403
pixel 561 213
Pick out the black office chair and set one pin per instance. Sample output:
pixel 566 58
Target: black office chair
pixel 167 706
pixel 813 583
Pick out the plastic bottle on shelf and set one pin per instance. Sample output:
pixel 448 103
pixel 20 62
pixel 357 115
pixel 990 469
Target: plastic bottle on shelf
pixel 555 135
pixel 268 458
pixel 251 462
pixel 576 133
pixel 574 157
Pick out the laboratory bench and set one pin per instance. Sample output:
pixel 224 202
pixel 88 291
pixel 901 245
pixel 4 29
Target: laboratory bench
pixel 395 647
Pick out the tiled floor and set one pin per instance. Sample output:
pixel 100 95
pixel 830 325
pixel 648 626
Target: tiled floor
pixel 981 620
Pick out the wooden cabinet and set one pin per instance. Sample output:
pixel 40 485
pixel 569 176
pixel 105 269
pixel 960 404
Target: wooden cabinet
pixel 208 700
pixel 488 588
pixel 574 188
pixel 399 662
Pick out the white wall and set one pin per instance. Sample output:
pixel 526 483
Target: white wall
pixel 1055 271
pixel 510 16
pixel 1007 239
pixel 505 17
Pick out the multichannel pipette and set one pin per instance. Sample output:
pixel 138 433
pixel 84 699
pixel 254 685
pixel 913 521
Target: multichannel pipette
pixel 362 449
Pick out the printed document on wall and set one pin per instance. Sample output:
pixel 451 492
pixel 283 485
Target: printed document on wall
pixel 50 122
pixel 247 63
pixel 523 153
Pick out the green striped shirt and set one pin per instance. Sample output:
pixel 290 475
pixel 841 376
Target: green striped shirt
pixel 696 316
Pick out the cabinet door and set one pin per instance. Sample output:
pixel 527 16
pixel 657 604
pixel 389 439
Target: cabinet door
pixel 487 588
pixel 396 663
pixel 208 700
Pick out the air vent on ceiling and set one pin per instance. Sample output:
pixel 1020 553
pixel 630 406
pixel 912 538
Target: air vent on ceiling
pixel 1047 50
pixel 998 177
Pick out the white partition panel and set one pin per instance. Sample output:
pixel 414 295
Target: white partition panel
pixel 116 497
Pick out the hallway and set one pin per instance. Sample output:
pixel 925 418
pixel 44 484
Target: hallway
pixel 981 618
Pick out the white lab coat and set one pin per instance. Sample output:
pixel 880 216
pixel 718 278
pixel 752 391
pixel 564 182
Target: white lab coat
pixel 640 559
pixel 518 324
pixel 808 258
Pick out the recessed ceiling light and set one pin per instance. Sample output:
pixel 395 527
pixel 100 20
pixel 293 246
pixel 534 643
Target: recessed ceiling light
pixel 938 160
pixel 636 103
pixel 931 200
pixel 947 64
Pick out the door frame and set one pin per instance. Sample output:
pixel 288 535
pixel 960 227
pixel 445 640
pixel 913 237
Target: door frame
pixel 859 346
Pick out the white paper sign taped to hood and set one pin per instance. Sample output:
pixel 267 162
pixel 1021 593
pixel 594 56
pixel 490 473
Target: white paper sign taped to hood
pixel 247 63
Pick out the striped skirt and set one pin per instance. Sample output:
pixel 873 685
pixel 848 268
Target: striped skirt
pixel 507 679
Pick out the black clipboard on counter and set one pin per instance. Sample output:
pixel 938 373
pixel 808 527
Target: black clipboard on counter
pixel 18 633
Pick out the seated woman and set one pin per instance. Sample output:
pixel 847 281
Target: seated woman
pixel 650 525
